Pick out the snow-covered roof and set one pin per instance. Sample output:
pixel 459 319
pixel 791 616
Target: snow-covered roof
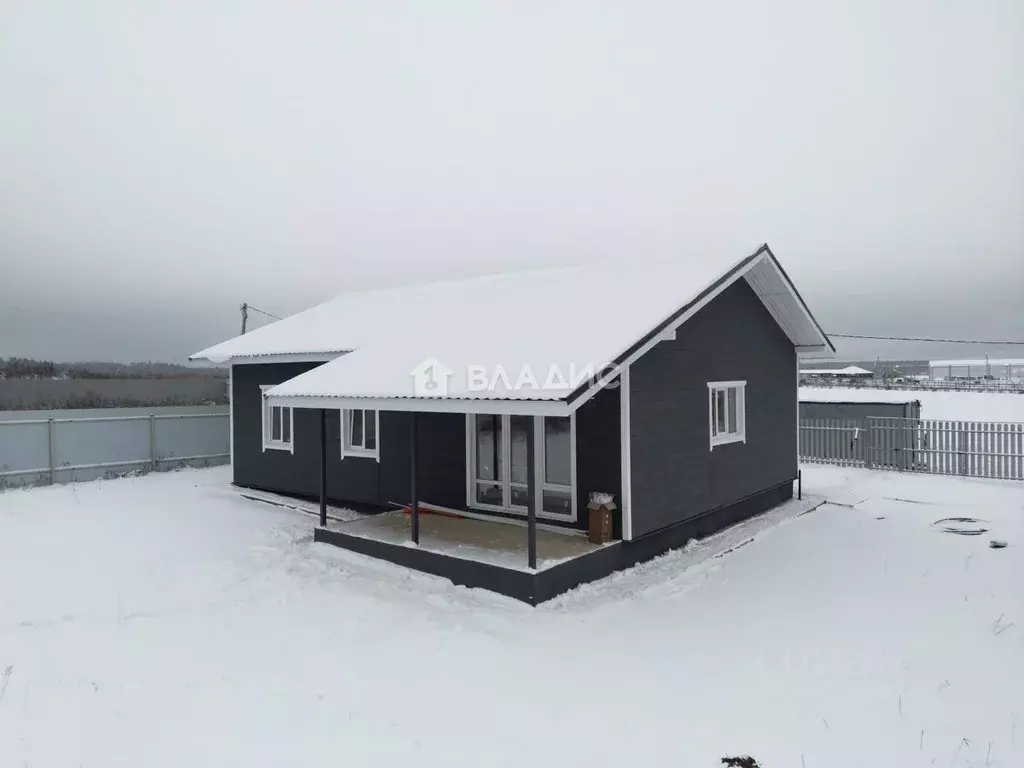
pixel 850 370
pixel 565 319
pixel 973 363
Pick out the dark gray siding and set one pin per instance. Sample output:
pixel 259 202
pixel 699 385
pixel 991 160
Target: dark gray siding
pixel 440 456
pixel 441 451
pixel 675 476
pixel 598 452
pixel 393 470
pixel 354 480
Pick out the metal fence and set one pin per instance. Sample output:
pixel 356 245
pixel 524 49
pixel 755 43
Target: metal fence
pixel 60 450
pixel 938 385
pixel 968 448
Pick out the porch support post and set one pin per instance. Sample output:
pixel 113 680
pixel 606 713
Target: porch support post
pixel 323 467
pixel 414 504
pixel 531 495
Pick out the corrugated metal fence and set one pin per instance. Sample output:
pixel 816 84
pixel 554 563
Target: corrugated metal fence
pixel 940 385
pixel 968 448
pixel 61 450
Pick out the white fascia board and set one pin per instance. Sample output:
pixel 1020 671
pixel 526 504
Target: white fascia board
pixel 816 353
pixel 658 338
pixel 231 419
pixel 693 310
pixel 311 357
pixel 428 405
pixel 625 457
pixel 822 351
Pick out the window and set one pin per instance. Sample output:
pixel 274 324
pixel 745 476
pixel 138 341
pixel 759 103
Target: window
pixel 488 460
pixel 278 424
pixel 359 437
pixel 727 412
pixel 497 464
pixel 557 460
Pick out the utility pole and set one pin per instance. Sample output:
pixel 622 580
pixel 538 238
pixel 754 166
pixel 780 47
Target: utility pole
pixel 245 314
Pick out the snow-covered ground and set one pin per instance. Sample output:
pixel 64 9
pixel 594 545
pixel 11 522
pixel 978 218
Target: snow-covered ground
pixel 958 406
pixel 166 621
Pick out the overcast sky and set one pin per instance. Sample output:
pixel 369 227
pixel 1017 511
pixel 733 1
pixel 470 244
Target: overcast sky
pixel 161 162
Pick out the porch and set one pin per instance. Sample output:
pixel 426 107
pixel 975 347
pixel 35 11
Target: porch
pixel 492 493
pixel 509 489
pixel 486 554
pixel 490 542
pixel 493 554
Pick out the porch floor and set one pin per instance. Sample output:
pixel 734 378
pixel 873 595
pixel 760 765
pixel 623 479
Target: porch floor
pixel 484 541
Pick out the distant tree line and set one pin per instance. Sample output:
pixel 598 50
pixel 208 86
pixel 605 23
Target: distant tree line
pixel 28 368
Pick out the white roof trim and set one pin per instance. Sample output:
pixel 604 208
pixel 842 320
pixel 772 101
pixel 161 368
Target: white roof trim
pixel 429 405
pixel 311 357
pixel 807 331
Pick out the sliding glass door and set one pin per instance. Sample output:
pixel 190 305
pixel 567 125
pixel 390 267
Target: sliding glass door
pixel 489 464
pixel 559 457
pixel 518 470
pixel 498 464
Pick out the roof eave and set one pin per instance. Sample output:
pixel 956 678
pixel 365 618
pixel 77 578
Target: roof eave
pixel 514 407
pixel 825 350
pixel 273 357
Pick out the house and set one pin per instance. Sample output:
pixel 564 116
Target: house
pixel 851 374
pixel 500 404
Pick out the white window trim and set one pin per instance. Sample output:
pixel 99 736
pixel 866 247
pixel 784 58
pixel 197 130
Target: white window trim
pixel 538 464
pixel 350 450
pixel 265 417
pixel 741 420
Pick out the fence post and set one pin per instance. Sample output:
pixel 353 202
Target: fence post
pixel 868 447
pixel 962 446
pixel 152 443
pixel 51 448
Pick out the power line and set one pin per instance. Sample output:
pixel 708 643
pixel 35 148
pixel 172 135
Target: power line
pixel 263 312
pixel 833 335
pixel 924 338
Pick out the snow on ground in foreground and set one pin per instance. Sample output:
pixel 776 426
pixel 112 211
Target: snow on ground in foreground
pixel 958 406
pixel 166 621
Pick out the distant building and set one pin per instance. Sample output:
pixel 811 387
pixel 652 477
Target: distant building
pixel 844 404
pixel 836 374
pixel 1010 370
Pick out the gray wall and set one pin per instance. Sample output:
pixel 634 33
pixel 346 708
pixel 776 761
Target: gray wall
pixel 853 410
pixel 280 470
pixel 36 394
pixel 675 476
pixel 356 479
pixel 598 452
pixel 441 451
pixel 120 440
